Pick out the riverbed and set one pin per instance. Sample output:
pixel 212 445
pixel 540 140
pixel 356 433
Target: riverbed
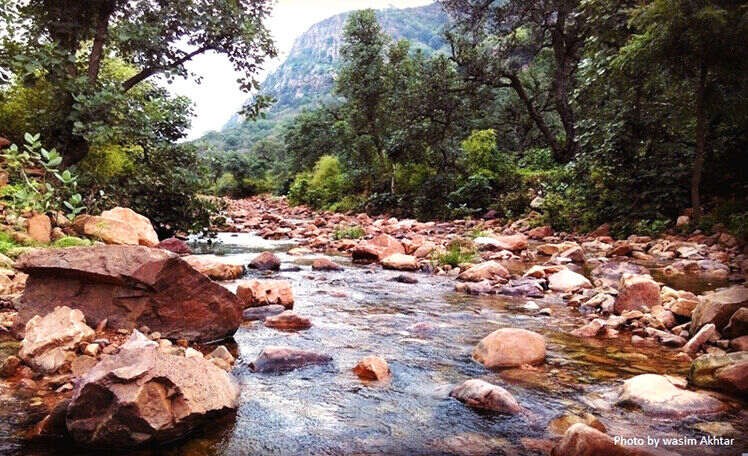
pixel 426 331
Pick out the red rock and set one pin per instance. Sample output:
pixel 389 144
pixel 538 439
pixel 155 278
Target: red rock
pixel 266 261
pixel 214 267
pixel 636 292
pixel 288 320
pixel 510 347
pixel 323 264
pixel 484 271
pixel 137 223
pixel 620 249
pixel 175 245
pixel 481 394
pixel 377 248
pixel 281 359
pixel 583 440
pixel 372 368
pixel 40 228
pixel 540 232
pixel 514 242
pixel 131 286
pixel 400 262
pixel 256 293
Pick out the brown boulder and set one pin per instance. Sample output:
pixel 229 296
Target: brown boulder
pixel 255 293
pixel 266 261
pixel 377 248
pixel 540 232
pixel 718 307
pixel 481 394
pixel 372 368
pixel 567 280
pixel 510 347
pixel 513 242
pixel 138 224
pixel 400 262
pixel 107 230
pixel 143 395
pixel 323 264
pixel 280 359
pixel 50 341
pixel 130 286
pixel 175 245
pixel 214 267
pixel 636 292
pixel 40 228
pixel 656 395
pixel 484 271
pixel 288 320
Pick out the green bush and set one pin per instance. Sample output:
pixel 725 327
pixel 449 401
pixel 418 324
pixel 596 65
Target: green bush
pixel 456 253
pixel 353 232
pixel 321 188
pixel 7 243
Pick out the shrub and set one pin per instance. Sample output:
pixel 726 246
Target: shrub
pixel 321 188
pixel 457 252
pixel 7 243
pixel 353 232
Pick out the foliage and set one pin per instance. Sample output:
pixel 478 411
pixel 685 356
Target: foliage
pixel 456 253
pixel 351 232
pixel 322 187
pixel 7 243
pixel 37 185
pixel 71 241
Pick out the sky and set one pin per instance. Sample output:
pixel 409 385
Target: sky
pixel 218 97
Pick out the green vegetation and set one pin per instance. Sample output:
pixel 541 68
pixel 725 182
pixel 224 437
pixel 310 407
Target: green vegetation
pixel 456 253
pixel 7 243
pixel 71 241
pixel 351 232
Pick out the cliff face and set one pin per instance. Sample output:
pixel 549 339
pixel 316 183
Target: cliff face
pixel 306 77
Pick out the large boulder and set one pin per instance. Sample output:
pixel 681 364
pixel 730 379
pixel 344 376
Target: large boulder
pixel 129 286
pixel 139 224
pixel 718 307
pixel 255 293
pixel 656 395
pixel 142 395
pixel 400 262
pixel 107 230
pixel 481 394
pixel 510 347
pixel 583 440
pixel 281 359
pixel 513 242
pixel 567 280
pixel 727 372
pixel 50 341
pixel 214 267
pixel 637 292
pixel 489 270
pixel 175 245
pixel 266 261
pixel 377 248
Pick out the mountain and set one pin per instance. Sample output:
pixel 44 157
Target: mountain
pixel 305 78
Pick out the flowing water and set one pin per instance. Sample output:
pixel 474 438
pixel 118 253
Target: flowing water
pixel 426 332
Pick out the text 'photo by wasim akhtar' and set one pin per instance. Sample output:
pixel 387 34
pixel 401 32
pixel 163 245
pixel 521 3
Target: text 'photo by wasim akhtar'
pixel 373 227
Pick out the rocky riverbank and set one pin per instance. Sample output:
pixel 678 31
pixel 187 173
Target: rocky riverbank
pixel 114 340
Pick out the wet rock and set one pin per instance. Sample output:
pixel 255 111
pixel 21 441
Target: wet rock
pixel 583 440
pixel 255 293
pixel 40 228
pixel 700 338
pixel 372 368
pixel 475 288
pixel 175 245
pixel 523 287
pixel 637 292
pixel 50 341
pixel 728 372
pixel 609 274
pixel 701 268
pixel 9 365
pixel 377 248
pixel 718 307
pixel 138 224
pixel 266 261
pixel 142 395
pixel 280 359
pixel 53 425
pixel 400 262
pixel 542 271
pixel 513 243
pixel 591 329
pixel 540 232
pixel 324 264
pixel 288 320
pixel 129 286
pixel 510 347
pixel 214 267
pixel 656 395
pixel 262 312
pixel 481 394
pixel 560 425
pixel 738 324
pixel 566 281
pixel 484 271
pixel 402 278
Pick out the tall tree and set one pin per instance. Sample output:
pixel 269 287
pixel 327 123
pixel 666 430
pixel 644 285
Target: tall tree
pixel 66 41
pixel 495 40
pixel 696 42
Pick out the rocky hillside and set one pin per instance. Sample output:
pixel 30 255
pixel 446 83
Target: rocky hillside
pixel 306 77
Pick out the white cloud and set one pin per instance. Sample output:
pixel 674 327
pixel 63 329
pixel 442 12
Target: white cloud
pixel 218 97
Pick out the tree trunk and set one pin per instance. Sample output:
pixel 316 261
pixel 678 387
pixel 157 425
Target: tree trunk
pixel 698 161
pixel 97 49
pixel 516 84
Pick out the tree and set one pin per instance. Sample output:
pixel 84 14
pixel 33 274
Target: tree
pixel 494 41
pixel 66 42
pixel 696 42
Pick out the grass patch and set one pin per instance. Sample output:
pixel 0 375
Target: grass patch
pixel 354 232
pixel 457 252
pixel 71 241
pixel 7 243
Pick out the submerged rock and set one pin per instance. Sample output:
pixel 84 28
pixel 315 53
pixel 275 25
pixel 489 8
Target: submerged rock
pixel 130 287
pixel 484 271
pixel 281 359
pixel 510 347
pixel 323 264
pixel 254 293
pixel 50 341
pixel 262 312
pixel 481 394
pixel 288 320
pixel 142 395
pixel 266 261
pixel 724 372
pixel 656 395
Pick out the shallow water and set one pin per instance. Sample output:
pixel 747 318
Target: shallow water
pixel 426 331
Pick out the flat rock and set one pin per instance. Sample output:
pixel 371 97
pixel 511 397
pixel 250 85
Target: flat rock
pixel 281 359
pixel 215 267
pixel 566 281
pixel 50 341
pixel 131 287
pixel 262 312
pixel 377 248
pixel 655 395
pixel 727 372
pixel 718 307
pixel 484 271
pixel 400 262
pixel 254 293
pixel 288 320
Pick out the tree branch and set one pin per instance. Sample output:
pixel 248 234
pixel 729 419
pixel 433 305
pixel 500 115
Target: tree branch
pixel 150 71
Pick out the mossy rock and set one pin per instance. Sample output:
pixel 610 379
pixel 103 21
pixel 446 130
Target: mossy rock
pixel 15 252
pixel 711 371
pixel 71 241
